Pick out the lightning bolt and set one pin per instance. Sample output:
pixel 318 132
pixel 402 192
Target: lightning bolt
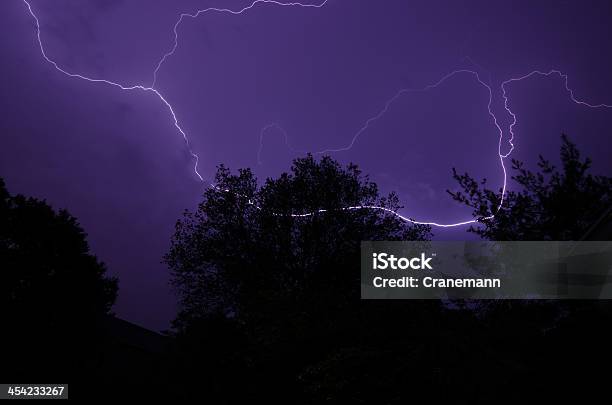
pixel 384 110
pixel 404 91
pixel 280 129
pixel 151 89
pixel 429 87
pixel 545 74
pixel 222 10
pixel 432 86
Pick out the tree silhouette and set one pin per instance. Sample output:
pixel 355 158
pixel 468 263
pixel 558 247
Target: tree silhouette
pixel 550 204
pixel 242 252
pixel 554 338
pixel 53 289
pixel 269 301
pixel 272 295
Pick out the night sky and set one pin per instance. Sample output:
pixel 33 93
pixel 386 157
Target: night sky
pixel 257 89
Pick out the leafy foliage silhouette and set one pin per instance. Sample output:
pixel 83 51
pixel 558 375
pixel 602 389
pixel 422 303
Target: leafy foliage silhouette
pixel 286 287
pixel 550 204
pixel 270 302
pixel 231 257
pixel 53 290
pixel 553 338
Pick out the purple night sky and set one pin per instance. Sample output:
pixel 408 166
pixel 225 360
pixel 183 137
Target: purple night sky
pixel 116 161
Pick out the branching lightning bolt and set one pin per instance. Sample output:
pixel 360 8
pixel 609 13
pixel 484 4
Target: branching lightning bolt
pixel 150 89
pixel 501 155
pixel 364 128
pixel 222 10
pixel 404 91
pixel 545 74
pixel 384 110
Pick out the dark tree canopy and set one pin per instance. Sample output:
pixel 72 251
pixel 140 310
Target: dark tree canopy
pixel 242 251
pixel 278 295
pixel 46 264
pixel 553 338
pixel 269 302
pixel 53 290
pixel 551 204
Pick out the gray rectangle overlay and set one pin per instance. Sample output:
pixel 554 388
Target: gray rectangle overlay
pixel 33 391
pixel 486 270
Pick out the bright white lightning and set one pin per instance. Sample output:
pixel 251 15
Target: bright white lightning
pixel 177 125
pixel 118 85
pixel 501 155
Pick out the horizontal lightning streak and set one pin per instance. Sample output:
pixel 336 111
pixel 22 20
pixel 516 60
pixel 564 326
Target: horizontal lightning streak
pixel 501 155
pixel 379 115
